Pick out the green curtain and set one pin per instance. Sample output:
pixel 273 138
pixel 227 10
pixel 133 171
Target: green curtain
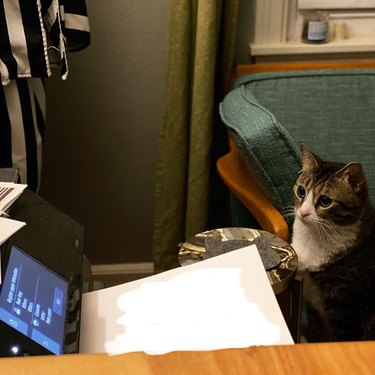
pixel 201 43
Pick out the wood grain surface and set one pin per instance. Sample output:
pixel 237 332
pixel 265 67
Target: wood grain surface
pixel 332 358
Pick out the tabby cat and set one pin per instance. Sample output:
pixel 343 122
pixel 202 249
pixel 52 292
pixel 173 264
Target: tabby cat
pixel 334 238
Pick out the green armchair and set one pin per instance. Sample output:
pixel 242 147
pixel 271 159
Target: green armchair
pixel 274 107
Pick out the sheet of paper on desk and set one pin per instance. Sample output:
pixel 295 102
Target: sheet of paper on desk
pixel 9 192
pixel 223 302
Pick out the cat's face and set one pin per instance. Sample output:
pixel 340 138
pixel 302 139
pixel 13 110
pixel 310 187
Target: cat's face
pixel 328 191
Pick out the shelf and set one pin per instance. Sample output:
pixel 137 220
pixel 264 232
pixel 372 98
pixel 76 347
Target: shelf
pixel 351 45
pixel 336 4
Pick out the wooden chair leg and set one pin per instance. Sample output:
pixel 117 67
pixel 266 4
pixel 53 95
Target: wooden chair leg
pixel 290 302
pixel 296 290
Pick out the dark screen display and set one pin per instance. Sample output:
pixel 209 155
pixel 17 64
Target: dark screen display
pixel 33 301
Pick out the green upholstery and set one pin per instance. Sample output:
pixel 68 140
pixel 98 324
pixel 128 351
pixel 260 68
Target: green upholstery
pixel 331 111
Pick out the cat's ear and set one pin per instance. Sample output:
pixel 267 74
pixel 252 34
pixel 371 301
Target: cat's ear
pixel 310 162
pixel 354 175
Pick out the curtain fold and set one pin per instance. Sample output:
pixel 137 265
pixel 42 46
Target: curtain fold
pixel 200 53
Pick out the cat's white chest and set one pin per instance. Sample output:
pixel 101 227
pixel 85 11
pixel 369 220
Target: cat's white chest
pixel 308 246
pixel 313 250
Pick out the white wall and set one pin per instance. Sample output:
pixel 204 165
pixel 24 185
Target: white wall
pixel 102 126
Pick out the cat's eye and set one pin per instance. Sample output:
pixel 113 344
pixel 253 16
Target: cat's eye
pixel 301 192
pixel 325 201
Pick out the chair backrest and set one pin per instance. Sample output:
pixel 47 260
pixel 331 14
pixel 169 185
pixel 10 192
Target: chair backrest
pixel 330 110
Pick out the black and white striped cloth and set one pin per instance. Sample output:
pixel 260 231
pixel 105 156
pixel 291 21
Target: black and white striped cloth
pixel 22 123
pixel 32 34
pixel 30 30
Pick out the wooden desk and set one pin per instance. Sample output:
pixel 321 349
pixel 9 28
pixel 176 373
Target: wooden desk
pixel 333 358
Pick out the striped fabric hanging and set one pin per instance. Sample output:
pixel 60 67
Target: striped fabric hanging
pixel 34 34
pixel 22 124
pixel 31 30
pixel 22 41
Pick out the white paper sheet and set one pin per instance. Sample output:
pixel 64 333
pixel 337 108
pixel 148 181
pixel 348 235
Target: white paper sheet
pixel 223 302
pixel 9 192
pixel 8 227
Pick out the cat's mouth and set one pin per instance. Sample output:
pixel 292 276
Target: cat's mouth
pixel 305 219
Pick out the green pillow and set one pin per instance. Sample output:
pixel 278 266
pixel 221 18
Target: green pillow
pixel 270 152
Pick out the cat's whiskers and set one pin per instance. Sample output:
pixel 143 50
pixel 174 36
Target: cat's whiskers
pixel 327 232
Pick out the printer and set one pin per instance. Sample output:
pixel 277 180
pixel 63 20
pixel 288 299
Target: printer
pixel 41 289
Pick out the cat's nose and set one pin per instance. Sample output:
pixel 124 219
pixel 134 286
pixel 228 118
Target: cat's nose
pixel 304 213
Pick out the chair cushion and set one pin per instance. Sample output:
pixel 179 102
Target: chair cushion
pixel 332 111
pixel 268 149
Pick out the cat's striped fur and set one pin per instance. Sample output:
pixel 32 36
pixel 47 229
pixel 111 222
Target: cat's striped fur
pixel 334 237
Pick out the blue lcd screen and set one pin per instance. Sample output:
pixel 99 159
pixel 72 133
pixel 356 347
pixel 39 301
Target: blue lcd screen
pixel 33 301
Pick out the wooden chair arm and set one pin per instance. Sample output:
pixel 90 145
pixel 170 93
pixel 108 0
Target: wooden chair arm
pixel 236 175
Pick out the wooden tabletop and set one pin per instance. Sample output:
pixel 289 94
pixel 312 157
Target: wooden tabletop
pixel 333 358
